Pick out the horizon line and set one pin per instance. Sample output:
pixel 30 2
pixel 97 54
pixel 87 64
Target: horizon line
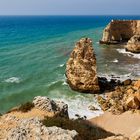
pixel 72 15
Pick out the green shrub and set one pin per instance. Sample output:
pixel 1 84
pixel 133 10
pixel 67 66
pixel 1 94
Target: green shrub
pixel 26 107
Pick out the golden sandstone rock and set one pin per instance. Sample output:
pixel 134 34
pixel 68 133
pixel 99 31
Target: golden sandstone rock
pixel 133 44
pixel 133 102
pixel 137 84
pixel 122 99
pixel 120 30
pixel 81 70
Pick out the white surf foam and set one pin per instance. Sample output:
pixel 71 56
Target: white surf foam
pixel 123 51
pixel 64 83
pixel 79 105
pixel 61 65
pixel 115 61
pixel 13 80
pixel 116 76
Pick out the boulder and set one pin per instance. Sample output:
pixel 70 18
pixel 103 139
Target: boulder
pixel 46 104
pixel 127 82
pixel 81 70
pixel 137 85
pixel 133 44
pixel 132 102
pixel 118 31
pixel 123 98
pixel 130 91
pixel 137 95
pixel 92 108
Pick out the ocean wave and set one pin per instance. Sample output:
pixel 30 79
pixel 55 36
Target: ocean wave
pixel 79 105
pixel 129 53
pixel 12 80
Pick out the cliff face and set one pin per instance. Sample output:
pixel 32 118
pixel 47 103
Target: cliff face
pixel 120 30
pixel 81 67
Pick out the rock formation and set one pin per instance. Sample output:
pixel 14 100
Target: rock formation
pixel 122 99
pixel 133 44
pixel 18 125
pixel 81 70
pixel 32 129
pixel 120 30
pixel 46 104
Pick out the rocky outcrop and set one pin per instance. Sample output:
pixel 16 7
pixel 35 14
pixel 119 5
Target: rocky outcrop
pixel 46 104
pixel 81 70
pixel 122 99
pixel 18 125
pixel 120 30
pixel 31 129
pixel 133 44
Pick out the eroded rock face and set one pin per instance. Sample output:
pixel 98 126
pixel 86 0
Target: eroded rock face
pixel 81 70
pixel 18 125
pixel 133 44
pixel 31 129
pixel 46 104
pixel 122 99
pixel 120 30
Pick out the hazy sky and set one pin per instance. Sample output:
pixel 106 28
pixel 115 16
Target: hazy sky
pixel 69 7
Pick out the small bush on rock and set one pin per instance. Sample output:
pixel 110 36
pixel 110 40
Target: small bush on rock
pixel 26 107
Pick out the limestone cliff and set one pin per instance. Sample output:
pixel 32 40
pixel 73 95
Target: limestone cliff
pixel 120 31
pixel 81 67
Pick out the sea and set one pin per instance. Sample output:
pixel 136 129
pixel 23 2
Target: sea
pixel 33 55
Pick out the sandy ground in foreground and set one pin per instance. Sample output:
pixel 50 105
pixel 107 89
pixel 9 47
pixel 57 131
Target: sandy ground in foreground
pixel 126 123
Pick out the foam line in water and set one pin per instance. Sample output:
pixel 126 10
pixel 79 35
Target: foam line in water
pixel 123 51
pixel 116 76
pixel 79 105
pixel 12 80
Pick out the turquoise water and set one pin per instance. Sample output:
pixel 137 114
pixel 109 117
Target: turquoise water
pixel 34 50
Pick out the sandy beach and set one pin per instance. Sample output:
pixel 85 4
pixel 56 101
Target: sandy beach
pixel 125 124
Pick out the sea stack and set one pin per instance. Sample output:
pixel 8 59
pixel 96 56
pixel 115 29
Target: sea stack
pixel 81 70
pixel 118 31
pixel 133 44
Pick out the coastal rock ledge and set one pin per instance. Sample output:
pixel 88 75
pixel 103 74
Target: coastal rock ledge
pixel 81 70
pixel 118 31
pixel 28 123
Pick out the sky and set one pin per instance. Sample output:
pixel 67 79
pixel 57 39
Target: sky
pixel 69 7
